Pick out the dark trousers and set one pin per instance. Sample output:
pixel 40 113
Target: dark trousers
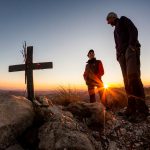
pixel 130 66
pixel 92 92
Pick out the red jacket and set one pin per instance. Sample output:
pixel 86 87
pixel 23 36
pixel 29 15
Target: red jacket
pixel 93 72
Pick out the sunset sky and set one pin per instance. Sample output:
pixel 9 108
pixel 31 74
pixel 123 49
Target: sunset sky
pixel 62 31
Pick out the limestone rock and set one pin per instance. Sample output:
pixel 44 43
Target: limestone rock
pixel 95 113
pixel 16 115
pixel 69 127
pixel 42 101
pixel 63 132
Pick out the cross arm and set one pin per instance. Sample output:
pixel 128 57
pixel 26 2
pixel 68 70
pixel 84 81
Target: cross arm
pixel 14 68
pixel 35 66
pixel 44 65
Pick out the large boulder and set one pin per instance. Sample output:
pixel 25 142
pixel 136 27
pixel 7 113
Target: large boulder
pixel 62 131
pixel 95 114
pixel 16 115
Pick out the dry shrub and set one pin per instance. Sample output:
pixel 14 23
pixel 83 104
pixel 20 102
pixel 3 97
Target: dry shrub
pixel 116 98
pixel 65 96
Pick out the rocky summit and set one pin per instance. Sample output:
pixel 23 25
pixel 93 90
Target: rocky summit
pixel 78 126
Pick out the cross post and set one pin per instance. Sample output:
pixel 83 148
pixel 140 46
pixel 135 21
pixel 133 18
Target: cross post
pixel 28 67
pixel 29 73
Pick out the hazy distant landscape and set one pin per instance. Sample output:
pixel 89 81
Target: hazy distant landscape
pixel 54 91
pixel 116 97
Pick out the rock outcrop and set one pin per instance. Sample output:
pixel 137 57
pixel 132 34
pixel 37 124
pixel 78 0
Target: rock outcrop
pixel 94 113
pixel 77 126
pixel 63 132
pixel 16 115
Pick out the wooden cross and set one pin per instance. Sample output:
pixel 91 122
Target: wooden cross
pixel 28 67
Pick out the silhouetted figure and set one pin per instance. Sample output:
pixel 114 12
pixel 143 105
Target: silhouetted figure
pixel 92 76
pixel 128 56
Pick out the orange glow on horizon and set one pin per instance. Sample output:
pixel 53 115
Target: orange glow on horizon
pixel 44 86
pixel 40 86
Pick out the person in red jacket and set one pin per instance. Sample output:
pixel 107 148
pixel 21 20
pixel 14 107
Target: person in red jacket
pixel 92 75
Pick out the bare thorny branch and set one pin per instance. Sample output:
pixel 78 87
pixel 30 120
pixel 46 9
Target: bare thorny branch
pixel 24 54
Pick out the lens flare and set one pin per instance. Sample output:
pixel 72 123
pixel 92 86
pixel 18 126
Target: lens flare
pixel 106 86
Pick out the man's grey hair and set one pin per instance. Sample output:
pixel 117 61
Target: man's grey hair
pixel 111 15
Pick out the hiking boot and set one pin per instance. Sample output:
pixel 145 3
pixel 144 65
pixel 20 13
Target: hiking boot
pixel 142 107
pixel 137 118
pixel 107 108
pixel 124 113
pixel 130 109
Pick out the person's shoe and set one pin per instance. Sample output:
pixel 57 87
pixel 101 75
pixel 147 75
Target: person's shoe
pixel 121 113
pixel 142 107
pixel 108 108
pixel 124 112
pixel 137 118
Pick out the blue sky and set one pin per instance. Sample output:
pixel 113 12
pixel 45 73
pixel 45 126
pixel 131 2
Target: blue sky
pixel 62 31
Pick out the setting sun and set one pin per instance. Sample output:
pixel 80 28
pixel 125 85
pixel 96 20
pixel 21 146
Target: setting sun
pixel 106 86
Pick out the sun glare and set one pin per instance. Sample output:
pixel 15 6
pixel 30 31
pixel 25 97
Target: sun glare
pixel 106 86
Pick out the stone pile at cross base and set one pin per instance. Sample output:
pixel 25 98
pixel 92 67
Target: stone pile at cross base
pixel 77 126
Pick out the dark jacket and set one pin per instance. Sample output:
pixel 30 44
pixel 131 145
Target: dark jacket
pixel 125 34
pixel 93 72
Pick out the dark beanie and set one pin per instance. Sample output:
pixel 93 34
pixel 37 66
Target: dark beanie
pixel 91 50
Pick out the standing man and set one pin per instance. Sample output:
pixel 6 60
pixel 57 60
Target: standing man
pixel 92 76
pixel 128 56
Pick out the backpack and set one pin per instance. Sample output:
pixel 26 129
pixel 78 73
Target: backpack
pixel 99 68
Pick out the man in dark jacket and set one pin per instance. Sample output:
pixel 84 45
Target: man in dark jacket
pixel 92 76
pixel 128 56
